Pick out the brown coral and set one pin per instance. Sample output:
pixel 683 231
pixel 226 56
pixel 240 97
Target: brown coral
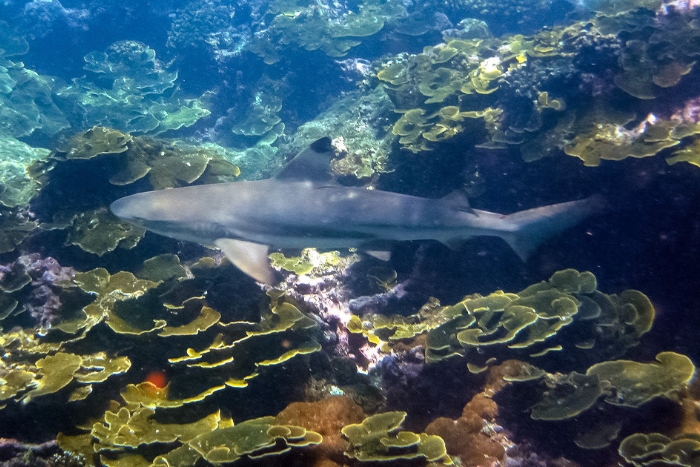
pixel 467 437
pixel 327 417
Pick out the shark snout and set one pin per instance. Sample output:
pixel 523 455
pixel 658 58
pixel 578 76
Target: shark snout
pixel 122 209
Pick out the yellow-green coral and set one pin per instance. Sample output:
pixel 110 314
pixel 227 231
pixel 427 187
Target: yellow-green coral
pixel 312 262
pixel 651 449
pixel 14 228
pixel 377 439
pixel 384 330
pixel 611 141
pixel 121 434
pixel 50 374
pixel 17 187
pixel 620 382
pixel 99 232
pixel 527 321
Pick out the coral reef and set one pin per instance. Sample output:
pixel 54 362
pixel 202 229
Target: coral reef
pixel 326 417
pixel 468 437
pixel 621 382
pixel 207 24
pixel 324 27
pixel 129 89
pixel 28 102
pixel 16 187
pixel 40 284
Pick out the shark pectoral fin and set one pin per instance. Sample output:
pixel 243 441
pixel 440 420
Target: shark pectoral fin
pixel 379 254
pixel 251 258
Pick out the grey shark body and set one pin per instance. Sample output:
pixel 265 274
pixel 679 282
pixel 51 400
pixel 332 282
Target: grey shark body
pixel 304 207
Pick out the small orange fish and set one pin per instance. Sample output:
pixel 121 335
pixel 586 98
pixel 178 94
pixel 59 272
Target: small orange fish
pixel 157 378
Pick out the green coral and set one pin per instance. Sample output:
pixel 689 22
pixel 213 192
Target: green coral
pixel 14 229
pixel 612 141
pixel 312 262
pixel 438 90
pixel 26 381
pixel 28 102
pixel 123 436
pixel 384 331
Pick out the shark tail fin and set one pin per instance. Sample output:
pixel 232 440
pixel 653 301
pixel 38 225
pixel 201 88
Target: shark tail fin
pixel 531 228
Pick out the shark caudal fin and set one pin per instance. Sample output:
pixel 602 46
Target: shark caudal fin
pixel 528 229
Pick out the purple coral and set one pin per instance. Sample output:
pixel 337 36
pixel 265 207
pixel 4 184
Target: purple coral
pixel 41 295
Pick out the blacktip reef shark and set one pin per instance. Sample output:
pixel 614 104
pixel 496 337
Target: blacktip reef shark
pixel 303 206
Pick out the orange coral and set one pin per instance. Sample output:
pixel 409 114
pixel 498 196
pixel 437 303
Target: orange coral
pixel 471 437
pixel 468 437
pixel 327 417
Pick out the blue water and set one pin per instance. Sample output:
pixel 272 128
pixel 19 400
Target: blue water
pixel 259 81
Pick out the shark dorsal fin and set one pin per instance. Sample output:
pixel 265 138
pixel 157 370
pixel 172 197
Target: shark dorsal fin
pixel 458 200
pixel 313 163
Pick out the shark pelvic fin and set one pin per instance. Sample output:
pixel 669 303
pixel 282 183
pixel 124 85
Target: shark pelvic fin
pixel 312 164
pixel 249 257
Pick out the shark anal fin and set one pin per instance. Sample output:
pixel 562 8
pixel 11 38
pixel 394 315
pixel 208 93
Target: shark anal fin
pixel 249 257
pixel 312 164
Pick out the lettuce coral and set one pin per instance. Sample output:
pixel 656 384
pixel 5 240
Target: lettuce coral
pixel 620 382
pixel 507 323
pixel 319 28
pixel 129 89
pixel 377 439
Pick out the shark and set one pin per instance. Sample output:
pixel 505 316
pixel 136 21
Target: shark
pixel 304 206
